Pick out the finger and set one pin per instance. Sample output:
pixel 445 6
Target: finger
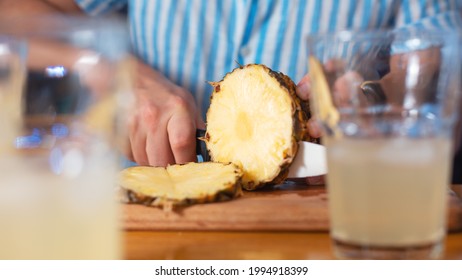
pixel 158 148
pixel 304 88
pixel 182 137
pixel 314 130
pixel 137 144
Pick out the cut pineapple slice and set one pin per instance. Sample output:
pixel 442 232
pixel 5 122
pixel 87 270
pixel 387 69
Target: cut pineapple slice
pixel 180 184
pixel 255 120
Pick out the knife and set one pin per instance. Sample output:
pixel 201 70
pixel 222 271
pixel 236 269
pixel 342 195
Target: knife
pixel 309 161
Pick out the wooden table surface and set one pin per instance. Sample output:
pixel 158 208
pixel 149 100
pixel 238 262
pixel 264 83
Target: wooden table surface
pixel 244 245
pixel 207 245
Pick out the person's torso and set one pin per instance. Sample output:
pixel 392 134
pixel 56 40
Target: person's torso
pixel 196 41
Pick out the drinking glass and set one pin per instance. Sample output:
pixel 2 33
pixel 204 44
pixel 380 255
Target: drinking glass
pixel 386 101
pixel 64 91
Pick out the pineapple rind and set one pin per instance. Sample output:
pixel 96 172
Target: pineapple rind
pixel 176 185
pixel 262 164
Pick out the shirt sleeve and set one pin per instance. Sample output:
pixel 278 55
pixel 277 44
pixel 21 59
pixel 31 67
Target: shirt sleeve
pixel 101 7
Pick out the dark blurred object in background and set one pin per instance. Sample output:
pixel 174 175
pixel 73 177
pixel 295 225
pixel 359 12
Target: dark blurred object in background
pixel 457 164
pixel 457 168
pixel 53 91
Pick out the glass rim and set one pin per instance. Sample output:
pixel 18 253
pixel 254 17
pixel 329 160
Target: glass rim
pixel 109 36
pixel 383 34
pixel 59 25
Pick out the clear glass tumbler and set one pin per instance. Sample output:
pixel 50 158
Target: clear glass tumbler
pixel 386 101
pixel 65 88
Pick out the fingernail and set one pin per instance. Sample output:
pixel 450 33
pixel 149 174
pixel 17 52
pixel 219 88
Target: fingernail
pixel 303 90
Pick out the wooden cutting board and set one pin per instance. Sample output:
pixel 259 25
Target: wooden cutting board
pixel 292 206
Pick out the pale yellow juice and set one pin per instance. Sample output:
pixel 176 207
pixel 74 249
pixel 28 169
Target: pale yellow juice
pixel 44 215
pixel 388 192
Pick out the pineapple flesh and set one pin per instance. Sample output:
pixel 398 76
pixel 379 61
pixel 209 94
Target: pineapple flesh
pixel 180 184
pixel 255 120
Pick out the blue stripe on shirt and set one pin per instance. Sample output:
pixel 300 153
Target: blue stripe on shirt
pixel 229 59
pixel 92 5
pixel 436 6
pixel 316 16
pixel 280 35
pixel 142 27
pixel 168 38
pixel 134 28
pixel 107 7
pixel 184 38
pixel 296 40
pixel 194 75
pixel 351 13
pixel 423 8
pixel 101 7
pixel 263 31
pixel 457 5
pixel 435 22
pixel 349 24
pixel 407 12
pixel 248 28
pixel 448 3
pixel 155 35
pixel 333 16
pixel 366 15
pixel 215 42
pixel 381 13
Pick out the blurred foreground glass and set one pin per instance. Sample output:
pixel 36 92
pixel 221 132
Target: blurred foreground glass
pixel 387 105
pixel 61 132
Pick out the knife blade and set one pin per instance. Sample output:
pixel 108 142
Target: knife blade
pixel 309 161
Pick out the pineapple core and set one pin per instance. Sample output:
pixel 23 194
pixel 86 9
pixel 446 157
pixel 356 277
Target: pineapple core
pixel 244 129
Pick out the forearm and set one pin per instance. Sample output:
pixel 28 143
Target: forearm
pixel 21 8
pixel 42 53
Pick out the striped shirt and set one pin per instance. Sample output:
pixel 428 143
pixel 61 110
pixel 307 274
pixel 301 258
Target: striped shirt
pixel 194 41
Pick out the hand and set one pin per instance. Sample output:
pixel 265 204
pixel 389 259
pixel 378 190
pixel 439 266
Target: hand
pixel 343 87
pixel 340 88
pixel 162 128
pixel 304 92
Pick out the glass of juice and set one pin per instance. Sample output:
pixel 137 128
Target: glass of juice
pixel 387 102
pixel 64 90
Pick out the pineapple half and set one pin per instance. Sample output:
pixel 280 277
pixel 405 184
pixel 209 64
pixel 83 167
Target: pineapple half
pixel 255 120
pixel 180 184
